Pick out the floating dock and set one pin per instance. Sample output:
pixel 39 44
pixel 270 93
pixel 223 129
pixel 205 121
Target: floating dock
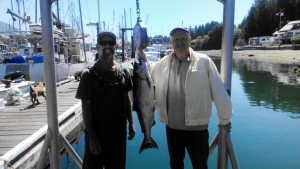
pixel 23 127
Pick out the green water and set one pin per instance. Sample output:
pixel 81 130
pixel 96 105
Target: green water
pixel 265 125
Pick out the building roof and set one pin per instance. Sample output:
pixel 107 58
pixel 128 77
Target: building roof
pixel 291 25
pixel 278 33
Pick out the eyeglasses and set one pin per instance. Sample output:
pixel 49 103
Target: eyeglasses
pixel 180 39
pixel 104 43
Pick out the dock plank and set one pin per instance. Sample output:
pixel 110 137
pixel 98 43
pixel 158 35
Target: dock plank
pixel 19 121
pixel 3 150
pixel 16 132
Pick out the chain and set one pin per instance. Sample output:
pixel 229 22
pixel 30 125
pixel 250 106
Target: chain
pixel 138 11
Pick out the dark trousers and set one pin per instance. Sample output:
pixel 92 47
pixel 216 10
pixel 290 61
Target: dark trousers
pixel 196 143
pixel 112 156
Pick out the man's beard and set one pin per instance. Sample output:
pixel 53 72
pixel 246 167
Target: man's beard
pixel 107 53
pixel 182 46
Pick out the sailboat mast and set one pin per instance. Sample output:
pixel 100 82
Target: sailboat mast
pixel 19 12
pixel 82 33
pixel 24 16
pixel 99 23
pixel 58 23
pixel 12 8
pixel 35 11
pixel 57 8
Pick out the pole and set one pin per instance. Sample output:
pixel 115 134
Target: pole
pixel 226 69
pixel 12 8
pixel 50 79
pixel 123 45
pixel 35 11
pixel 131 25
pixel 24 16
pixel 19 12
pixel 279 19
pixel 227 44
pixel 58 41
pixel 222 148
pixel 123 41
pixel 99 26
pixel 82 33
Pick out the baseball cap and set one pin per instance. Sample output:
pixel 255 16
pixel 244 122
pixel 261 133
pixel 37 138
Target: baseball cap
pixel 106 33
pixel 179 28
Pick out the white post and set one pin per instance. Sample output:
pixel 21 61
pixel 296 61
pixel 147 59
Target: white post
pixel 226 70
pixel 227 43
pixel 50 79
pixel 82 33
pixel 99 25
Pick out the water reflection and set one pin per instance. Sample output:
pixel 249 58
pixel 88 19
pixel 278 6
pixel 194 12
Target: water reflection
pixel 270 85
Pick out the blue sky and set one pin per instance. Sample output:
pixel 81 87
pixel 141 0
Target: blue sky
pixel 160 15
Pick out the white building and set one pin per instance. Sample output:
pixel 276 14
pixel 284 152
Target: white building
pixel 286 33
pixel 260 41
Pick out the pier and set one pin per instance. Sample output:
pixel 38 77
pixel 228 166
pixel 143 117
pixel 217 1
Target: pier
pixel 26 153
pixel 23 127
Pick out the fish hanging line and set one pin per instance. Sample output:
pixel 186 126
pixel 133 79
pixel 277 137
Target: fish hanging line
pixel 138 11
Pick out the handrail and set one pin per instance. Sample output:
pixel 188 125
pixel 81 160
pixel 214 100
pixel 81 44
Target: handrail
pixel 223 140
pixel 15 152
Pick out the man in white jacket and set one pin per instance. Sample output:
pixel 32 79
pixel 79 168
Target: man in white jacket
pixel 186 84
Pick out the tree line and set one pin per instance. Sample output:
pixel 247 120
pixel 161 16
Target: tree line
pixel 263 19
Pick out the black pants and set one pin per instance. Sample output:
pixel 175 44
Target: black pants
pixel 196 143
pixel 112 156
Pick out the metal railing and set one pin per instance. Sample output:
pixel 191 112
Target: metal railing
pixel 225 146
pixel 27 153
pixel 53 136
pixel 223 139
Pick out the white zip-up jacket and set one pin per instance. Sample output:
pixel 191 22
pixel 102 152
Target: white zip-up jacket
pixel 203 86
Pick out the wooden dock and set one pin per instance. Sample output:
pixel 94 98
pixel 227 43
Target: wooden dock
pixel 22 121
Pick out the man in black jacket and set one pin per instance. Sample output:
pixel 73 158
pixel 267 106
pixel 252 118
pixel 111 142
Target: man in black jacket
pixel 106 107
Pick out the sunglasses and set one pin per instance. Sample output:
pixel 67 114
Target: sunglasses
pixel 104 43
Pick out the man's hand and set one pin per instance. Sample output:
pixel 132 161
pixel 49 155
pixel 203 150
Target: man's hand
pixel 141 55
pixel 94 146
pixel 131 133
pixel 227 126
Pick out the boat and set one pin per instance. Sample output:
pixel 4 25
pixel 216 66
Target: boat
pixel 69 51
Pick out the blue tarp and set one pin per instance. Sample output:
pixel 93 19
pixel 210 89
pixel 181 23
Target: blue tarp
pixel 17 59
pixel 38 59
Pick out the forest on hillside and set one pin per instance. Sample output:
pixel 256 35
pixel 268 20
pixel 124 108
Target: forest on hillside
pixel 263 19
pixel 265 15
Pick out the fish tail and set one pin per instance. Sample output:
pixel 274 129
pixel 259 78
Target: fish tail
pixel 148 143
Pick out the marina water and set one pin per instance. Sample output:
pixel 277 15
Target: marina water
pixel 265 125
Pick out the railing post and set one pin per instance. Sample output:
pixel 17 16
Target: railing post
pixel 44 151
pixel 71 151
pixel 50 79
pixel 227 43
pixel 231 152
pixel 226 72
pixel 213 144
pixel 222 148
